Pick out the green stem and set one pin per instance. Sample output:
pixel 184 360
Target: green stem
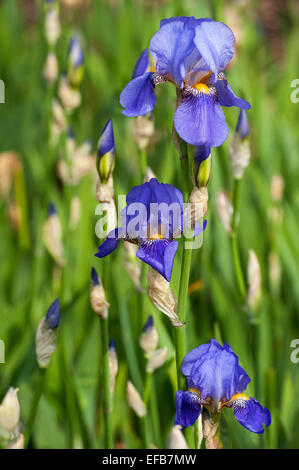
pixel 143 164
pixel 234 241
pixel 107 403
pixel 37 394
pixel 144 420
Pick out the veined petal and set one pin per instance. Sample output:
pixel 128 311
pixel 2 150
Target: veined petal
pixel 109 244
pixel 138 97
pixel 159 254
pixel 251 414
pixel 142 64
pixel 187 408
pixel 226 96
pixel 199 120
pixel 197 354
pixel 172 45
pixel 215 43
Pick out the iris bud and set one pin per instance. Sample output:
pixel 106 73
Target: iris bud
pixel 50 71
pixel 46 335
pixel 134 400
pixel 239 148
pixel 162 296
pixel 254 283
pixel 149 338
pixel 106 153
pixel 113 364
pixel 202 165
pixel 52 22
pixel 176 439
pixel 52 235
pixel 75 63
pixel 156 360
pixel 98 300
pixel 225 210
pixel 9 415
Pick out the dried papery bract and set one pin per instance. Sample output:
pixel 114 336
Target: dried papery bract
pixel 239 148
pixel 197 207
pixel 80 164
pixel 277 188
pixel 17 443
pixel 59 124
pixel 162 296
pixel 176 439
pixel 156 359
pixel 132 264
pixel 149 174
pixel 143 130
pixel 254 281
pixel 274 270
pixel 225 210
pixel 69 97
pixel 9 164
pixel 210 431
pixel 52 22
pixel 105 192
pixel 45 343
pixel 98 300
pixel 134 400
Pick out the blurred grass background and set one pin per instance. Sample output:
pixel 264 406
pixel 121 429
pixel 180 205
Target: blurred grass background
pixel 114 33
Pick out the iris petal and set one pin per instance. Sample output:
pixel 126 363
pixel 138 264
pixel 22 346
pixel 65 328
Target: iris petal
pixel 199 120
pixel 159 254
pixel 142 64
pixel 215 42
pixel 252 415
pixel 227 97
pixel 187 408
pixel 109 244
pixel 138 97
pixel 172 45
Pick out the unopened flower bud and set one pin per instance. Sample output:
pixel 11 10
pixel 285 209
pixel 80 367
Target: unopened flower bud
pixel 46 335
pixel 239 148
pixel 149 337
pixel 274 270
pixel 9 164
pixel 132 264
pixel 98 300
pixel 58 122
pixel 9 415
pixel 106 153
pixel 69 97
pixel 75 63
pixel 176 439
pixel 156 360
pixel 50 71
pixel 52 22
pixel 134 400
pixel 113 365
pixel 143 130
pixel 162 296
pixel 52 234
pixel 202 165
pixel 225 210
pixel 254 281
pixel 277 187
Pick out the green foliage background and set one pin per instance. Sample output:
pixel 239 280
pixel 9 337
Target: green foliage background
pixel 114 35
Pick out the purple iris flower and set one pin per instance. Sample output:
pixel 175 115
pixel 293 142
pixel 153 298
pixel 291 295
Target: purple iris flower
pixel 152 219
pixel 216 380
pixel 192 54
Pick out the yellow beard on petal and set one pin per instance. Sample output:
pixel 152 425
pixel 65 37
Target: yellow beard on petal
pixel 202 87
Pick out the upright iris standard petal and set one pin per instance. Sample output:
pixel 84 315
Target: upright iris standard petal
pixel 252 415
pixel 53 315
pixel 171 47
pixel 215 43
pixel 109 245
pixel 199 120
pixel 188 408
pixel 227 97
pixel 159 254
pixel 142 65
pixel 138 97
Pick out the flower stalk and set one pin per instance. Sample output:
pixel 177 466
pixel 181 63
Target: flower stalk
pixel 234 240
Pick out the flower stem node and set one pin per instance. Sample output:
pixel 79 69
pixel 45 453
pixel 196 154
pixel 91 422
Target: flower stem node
pixel 134 400
pixel 163 296
pixel 98 300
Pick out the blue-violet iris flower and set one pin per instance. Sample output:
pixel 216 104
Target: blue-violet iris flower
pixel 216 380
pixel 192 54
pixel 152 219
